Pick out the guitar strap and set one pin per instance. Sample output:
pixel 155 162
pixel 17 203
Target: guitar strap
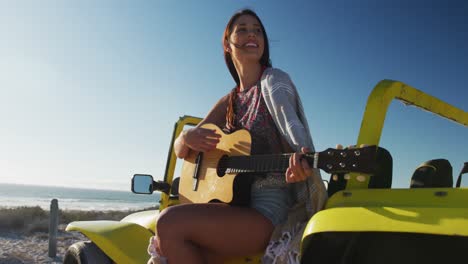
pixel 463 170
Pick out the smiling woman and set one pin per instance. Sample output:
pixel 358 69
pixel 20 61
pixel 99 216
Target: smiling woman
pixel 264 102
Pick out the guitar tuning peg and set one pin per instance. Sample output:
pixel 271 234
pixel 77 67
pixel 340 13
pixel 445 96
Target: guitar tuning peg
pixel 342 165
pixel 343 154
pixel 357 152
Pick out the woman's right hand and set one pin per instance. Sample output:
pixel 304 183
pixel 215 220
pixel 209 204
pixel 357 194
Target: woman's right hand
pixel 201 139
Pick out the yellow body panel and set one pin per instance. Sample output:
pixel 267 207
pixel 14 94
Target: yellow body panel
pixel 419 197
pixel 146 219
pixel 441 211
pixel 424 220
pixel 123 242
pixel 435 211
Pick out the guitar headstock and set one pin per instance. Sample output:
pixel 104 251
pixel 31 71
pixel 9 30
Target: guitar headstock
pixel 348 160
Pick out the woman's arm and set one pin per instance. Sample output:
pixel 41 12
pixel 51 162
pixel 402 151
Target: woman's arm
pixel 285 106
pixel 201 139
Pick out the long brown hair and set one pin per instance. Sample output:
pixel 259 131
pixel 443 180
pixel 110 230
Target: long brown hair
pixel 264 61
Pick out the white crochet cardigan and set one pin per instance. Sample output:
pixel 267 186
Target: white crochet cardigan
pixel 284 105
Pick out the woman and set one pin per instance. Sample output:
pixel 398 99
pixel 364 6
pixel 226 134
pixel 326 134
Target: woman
pixel 266 103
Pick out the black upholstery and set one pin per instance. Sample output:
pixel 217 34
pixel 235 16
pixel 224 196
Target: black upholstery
pixel 433 174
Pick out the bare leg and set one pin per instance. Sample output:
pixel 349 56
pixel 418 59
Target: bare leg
pixel 191 233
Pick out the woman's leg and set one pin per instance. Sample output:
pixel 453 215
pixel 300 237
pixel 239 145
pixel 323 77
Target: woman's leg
pixel 189 233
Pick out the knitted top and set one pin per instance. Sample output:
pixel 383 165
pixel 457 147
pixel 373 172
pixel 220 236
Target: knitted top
pixel 252 114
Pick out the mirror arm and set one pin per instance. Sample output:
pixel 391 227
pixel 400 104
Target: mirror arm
pixel 161 186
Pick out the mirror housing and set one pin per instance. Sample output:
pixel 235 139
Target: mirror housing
pixel 144 184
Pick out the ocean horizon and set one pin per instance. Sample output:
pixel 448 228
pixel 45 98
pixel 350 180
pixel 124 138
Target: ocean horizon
pixel 18 195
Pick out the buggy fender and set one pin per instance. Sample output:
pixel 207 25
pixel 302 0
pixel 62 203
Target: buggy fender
pixel 123 241
pixel 145 218
pixel 422 220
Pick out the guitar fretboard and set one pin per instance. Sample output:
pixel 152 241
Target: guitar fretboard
pixel 257 163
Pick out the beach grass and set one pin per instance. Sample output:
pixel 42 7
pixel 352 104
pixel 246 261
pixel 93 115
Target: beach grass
pixel 30 219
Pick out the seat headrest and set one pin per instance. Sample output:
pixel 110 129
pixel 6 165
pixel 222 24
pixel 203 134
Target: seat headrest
pixel 433 174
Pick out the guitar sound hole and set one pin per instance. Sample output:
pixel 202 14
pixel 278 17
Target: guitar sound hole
pixel 222 166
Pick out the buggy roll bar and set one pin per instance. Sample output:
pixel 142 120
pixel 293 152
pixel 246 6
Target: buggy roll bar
pixel 171 157
pixel 376 109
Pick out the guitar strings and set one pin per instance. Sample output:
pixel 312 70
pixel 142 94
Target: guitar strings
pixel 257 163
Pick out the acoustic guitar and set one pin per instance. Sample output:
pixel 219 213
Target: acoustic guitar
pixel 222 174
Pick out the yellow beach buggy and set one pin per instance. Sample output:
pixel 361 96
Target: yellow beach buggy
pixel 364 220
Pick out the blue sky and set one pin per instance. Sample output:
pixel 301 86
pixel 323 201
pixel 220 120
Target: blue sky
pixel 90 90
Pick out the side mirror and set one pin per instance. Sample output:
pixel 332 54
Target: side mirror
pixel 142 184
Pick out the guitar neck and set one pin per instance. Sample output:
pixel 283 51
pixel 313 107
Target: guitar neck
pixel 330 160
pixel 259 163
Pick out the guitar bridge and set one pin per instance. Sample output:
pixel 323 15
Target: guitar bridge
pixel 195 175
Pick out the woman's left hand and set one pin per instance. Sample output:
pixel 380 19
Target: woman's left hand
pixel 298 169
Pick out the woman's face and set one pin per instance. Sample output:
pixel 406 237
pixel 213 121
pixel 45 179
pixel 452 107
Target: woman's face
pixel 246 42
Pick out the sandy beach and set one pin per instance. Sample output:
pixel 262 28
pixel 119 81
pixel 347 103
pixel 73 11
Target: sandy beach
pixel 24 236
pixel 17 248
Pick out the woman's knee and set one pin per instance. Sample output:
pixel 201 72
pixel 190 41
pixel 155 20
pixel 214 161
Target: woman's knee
pixel 168 221
pixel 176 220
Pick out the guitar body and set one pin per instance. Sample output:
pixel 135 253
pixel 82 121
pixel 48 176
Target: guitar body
pixel 208 186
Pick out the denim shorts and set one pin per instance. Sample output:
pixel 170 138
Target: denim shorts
pixel 273 203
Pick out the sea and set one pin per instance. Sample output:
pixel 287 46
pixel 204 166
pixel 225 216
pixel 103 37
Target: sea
pixel 15 195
